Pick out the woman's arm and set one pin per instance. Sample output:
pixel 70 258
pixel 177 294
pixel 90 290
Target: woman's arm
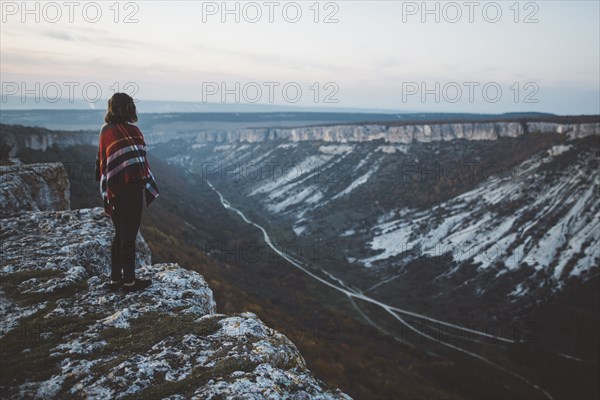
pixel 97 170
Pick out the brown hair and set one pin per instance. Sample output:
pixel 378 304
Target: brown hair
pixel 121 108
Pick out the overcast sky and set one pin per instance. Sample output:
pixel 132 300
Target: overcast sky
pixel 379 54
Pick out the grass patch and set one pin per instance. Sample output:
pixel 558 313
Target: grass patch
pixel 25 351
pixel 15 278
pixel 149 329
pixel 198 377
pixel 152 327
pixel 10 285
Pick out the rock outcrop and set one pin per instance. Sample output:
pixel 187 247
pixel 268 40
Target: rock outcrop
pixel 65 335
pixel 17 138
pixel 33 187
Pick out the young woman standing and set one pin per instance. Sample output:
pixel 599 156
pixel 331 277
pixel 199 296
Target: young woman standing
pixel 124 175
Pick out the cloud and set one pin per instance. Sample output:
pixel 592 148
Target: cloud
pixel 277 60
pixel 94 37
pixel 58 35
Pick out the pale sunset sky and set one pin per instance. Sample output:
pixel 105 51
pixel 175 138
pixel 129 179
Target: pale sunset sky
pixel 373 52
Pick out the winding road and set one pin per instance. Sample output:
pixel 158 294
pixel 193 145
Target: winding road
pixel 395 312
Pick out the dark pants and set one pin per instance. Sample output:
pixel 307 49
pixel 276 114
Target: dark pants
pixel 126 218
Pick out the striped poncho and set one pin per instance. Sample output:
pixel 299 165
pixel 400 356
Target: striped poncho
pixel 122 159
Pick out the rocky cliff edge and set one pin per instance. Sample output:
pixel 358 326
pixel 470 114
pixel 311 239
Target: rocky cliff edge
pixel 64 335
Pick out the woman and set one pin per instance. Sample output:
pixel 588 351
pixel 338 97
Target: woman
pixel 124 174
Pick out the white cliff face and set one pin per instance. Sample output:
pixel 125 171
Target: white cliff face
pixel 404 134
pixel 33 187
pixel 67 335
pixel 17 140
pixel 44 140
pixel 573 131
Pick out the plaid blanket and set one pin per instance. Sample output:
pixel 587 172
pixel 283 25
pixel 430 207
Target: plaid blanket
pixel 121 159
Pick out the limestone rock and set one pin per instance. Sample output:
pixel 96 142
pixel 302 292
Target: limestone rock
pixel 164 342
pixel 404 134
pixel 65 335
pixel 33 187
pixel 43 139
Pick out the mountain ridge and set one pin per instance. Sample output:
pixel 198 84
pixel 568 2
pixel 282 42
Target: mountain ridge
pixel 16 137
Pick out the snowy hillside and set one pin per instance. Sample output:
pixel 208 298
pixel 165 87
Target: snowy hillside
pixel 510 220
pixel 549 220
